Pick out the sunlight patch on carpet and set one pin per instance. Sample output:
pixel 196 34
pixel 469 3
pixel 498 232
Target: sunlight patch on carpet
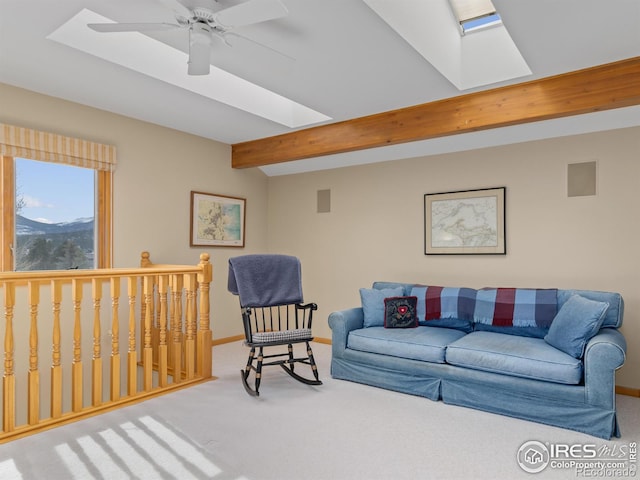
pixel 181 447
pixel 145 448
pixel 8 469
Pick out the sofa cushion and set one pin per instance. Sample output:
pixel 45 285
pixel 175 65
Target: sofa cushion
pixel 400 312
pixel 517 311
pixel 445 307
pixel 422 343
pixel 578 320
pixel 512 355
pixel 373 304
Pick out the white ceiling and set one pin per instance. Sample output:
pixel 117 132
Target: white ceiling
pixel 348 63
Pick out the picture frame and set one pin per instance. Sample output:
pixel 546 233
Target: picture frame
pixel 468 222
pixel 217 220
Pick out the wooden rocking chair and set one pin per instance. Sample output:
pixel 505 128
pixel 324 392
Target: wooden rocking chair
pixel 270 291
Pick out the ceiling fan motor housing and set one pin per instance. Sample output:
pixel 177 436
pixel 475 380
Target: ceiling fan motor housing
pixel 203 15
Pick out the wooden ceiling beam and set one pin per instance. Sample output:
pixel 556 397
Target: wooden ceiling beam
pixel 604 87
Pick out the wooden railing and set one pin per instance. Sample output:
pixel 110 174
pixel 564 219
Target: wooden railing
pixel 102 352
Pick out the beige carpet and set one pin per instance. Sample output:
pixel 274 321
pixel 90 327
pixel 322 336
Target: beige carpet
pixel 339 430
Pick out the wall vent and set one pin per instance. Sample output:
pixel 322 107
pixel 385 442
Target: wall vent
pixel 581 179
pixel 324 201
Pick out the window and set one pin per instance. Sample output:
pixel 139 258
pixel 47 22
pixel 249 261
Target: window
pixel 473 15
pixel 481 23
pixel 54 209
pixel 56 201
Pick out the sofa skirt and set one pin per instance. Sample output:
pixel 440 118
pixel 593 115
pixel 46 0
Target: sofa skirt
pixel 580 417
pixel 389 379
pixel 552 404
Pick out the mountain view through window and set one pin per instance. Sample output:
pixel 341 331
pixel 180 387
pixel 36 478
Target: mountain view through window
pixel 54 216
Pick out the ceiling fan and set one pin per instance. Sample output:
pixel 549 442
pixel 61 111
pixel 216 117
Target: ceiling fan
pixel 202 24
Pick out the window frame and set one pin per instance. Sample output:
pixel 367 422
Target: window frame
pixel 103 215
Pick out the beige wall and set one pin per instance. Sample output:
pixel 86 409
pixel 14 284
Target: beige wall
pixel 375 228
pixel 157 169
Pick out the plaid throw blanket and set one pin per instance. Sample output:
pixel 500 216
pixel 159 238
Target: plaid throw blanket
pixel 515 307
pixel 448 302
pixel 497 307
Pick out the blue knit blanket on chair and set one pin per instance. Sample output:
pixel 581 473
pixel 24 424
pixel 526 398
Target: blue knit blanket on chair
pixel 264 280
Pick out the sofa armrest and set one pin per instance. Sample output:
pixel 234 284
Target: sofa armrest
pixel 604 354
pixel 341 323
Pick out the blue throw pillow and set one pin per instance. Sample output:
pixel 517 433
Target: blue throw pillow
pixel 578 320
pixel 373 304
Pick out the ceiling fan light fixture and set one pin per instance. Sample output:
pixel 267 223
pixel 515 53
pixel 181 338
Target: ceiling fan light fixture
pixel 199 49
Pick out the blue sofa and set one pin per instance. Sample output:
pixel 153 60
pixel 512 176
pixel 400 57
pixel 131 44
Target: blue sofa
pixel 552 364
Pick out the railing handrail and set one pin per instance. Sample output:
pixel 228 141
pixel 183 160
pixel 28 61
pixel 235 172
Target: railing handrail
pixel 148 267
pixel 96 273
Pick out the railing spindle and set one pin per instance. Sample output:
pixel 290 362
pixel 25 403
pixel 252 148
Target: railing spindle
pixel 190 337
pixel 163 283
pixel 155 320
pixel 176 327
pixel 33 392
pixel 115 339
pixel 76 372
pixel 147 352
pixel 9 379
pixel 96 377
pixel 56 366
pixel 132 362
pixel 143 308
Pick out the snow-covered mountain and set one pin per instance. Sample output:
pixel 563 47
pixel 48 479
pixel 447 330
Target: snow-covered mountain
pixel 26 226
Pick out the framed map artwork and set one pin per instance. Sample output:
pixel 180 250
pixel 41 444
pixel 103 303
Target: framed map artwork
pixel 216 220
pixel 470 222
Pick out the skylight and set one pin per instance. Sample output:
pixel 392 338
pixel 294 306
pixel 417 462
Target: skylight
pixel 140 53
pixel 433 28
pixel 479 23
pixel 474 15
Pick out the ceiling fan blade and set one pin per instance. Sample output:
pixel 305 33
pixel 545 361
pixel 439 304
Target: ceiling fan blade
pixel 199 49
pixel 131 27
pixel 253 11
pixel 230 38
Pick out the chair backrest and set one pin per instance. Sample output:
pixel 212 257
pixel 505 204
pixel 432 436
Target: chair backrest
pixel 280 318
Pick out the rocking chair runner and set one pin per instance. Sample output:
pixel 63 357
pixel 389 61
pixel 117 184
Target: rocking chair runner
pixel 270 291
